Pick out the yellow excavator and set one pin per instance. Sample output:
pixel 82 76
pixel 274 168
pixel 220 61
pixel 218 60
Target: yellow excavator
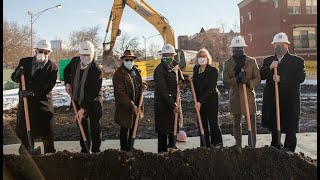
pixel 186 58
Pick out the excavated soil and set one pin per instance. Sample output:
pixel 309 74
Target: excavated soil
pixel 200 163
pixel 65 128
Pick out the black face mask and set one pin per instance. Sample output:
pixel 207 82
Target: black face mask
pixel 238 53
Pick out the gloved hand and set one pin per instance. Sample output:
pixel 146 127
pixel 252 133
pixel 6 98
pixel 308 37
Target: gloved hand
pixel 144 85
pixel 241 78
pixel 19 72
pixel 26 93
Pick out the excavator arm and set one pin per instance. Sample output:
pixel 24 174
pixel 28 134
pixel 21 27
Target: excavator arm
pixel 144 10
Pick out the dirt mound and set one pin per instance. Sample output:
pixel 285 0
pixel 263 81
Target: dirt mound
pixel 200 163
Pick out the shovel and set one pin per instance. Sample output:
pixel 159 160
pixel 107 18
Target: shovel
pixel 134 133
pixel 84 138
pixel 247 113
pixel 203 140
pixel 277 110
pixel 32 150
pixel 176 114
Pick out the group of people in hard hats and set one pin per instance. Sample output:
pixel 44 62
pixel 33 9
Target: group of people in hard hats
pixel 241 73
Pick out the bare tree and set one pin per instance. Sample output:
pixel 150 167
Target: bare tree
pixel 125 42
pixel 153 49
pixel 16 42
pixel 85 34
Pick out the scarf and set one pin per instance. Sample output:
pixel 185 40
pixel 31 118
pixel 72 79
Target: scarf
pixel 75 94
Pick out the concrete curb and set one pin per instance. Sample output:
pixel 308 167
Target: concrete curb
pixel 307 144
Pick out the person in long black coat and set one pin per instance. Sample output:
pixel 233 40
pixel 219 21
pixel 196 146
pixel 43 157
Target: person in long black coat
pixel 205 84
pixel 83 81
pixel 291 73
pixel 166 80
pixel 40 77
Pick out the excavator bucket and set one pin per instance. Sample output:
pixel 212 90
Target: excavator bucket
pixel 109 63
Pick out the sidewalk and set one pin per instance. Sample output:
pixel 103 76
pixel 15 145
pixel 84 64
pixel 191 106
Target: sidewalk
pixel 307 143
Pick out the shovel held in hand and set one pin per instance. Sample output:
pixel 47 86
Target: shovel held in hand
pixel 176 114
pixel 135 128
pixel 203 141
pixel 276 88
pixel 31 149
pixel 84 137
pixel 247 113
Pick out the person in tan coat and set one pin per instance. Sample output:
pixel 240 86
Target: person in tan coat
pixel 234 79
pixel 127 83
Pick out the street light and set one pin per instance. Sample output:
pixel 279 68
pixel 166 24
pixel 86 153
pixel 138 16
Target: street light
pixel 145 44
pixel 34 17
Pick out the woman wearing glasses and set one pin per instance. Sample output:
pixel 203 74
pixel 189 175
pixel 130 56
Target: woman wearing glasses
pixel 127 83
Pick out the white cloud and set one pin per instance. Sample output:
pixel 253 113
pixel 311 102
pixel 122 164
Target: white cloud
pixel 124 26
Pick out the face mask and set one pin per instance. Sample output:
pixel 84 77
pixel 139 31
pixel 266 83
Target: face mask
pixel 168 60
pixel 202 61
pixel 40 57
pixel 238 52
pixel 85 60
pixel 128 64
pixel 280 50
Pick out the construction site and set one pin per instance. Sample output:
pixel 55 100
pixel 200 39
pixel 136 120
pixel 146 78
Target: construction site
pixel 190 161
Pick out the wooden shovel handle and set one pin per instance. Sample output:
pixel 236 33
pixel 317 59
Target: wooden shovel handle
pixel 78 121
pixel 134 133
pixel 246 104
pixel 176 113
pixel 277 100
pixel 195 102
pixel 25 103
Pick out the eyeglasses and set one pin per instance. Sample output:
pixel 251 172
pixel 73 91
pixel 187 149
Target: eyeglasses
pixel 128 60
pixel 46 53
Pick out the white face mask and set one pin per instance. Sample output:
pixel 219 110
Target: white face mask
pixel 128 64
pixel 86 60
pixel 40 57
pixel 202 61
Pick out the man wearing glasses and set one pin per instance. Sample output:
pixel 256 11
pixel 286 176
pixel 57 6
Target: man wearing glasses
pixel 40 77
pixel 127 83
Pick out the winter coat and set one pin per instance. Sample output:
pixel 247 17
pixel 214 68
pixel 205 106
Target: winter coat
pixel 40 106
pixel 236 97
pixel 124 94
pixel 92 87
pixel 205 84
pixel 292 73
pixel 166 80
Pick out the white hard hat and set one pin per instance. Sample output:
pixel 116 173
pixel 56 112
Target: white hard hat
pixel 44 44
pixel 182 136
pixel 86 47
pixel 280 37
pixel 238 41
pixel 168 48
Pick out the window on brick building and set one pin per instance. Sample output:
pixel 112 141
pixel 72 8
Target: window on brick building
pixel 241 19
pixel 304 37
pixel 311 6
pixel 294 7
pixel 249 14
pixel 250 37
pixel 276 3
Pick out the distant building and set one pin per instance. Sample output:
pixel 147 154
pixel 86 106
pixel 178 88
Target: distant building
pixel 56 44
pixel 261 20
pixel 190 42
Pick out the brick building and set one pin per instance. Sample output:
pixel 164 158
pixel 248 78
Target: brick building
pixel 260 20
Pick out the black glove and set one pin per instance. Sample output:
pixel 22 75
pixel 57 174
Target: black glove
pixel 241 78
pixel 26 93
pixel 248 84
